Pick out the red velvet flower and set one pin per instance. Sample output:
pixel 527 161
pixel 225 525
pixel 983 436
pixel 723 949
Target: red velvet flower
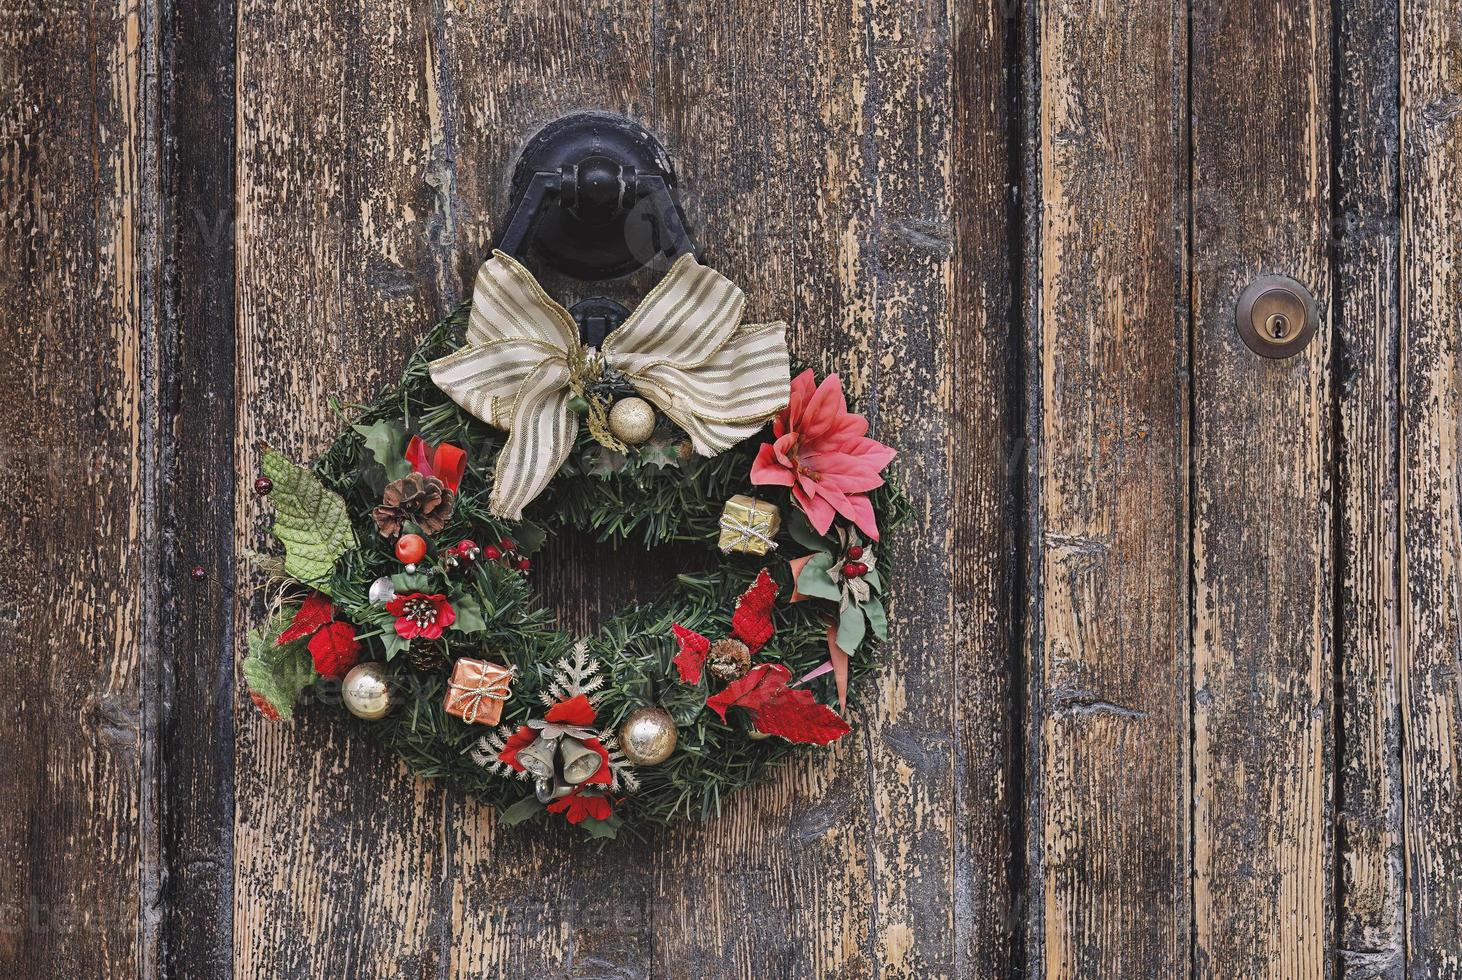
pixel 421 615
pixel 751 623
pixel 445 462
pixel 578 806
pixel 823 453
pixel 334 649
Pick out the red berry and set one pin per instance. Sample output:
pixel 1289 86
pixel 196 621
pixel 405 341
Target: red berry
pixel 523 565
pixel 851 570
pixel 263 486
pixel 855 552
pixel 199 573
pixel 508 544
pixel 491 553
pixel 411 548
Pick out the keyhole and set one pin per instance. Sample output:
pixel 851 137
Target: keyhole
pixel 1277 325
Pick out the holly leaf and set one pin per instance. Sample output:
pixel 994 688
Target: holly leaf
pixel 797 716
pixel 659 452
pixel 606 463
pixel 387 444
pixel 524 810
pixel 851 627
pixel 603 828
pixel 277 673
pixel 816 579
pixel 804 534
pixel 314 612
pixel 529 537
pixel 877 618
pixel 469 616
pixel 311 521
pixel 406 583
pixel 393 642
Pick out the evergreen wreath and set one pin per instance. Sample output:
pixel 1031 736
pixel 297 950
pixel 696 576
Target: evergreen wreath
pixel 401 595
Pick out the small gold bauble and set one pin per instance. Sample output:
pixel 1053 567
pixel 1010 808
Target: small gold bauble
pixel 647 736
pixel 366 691
pixel 632 420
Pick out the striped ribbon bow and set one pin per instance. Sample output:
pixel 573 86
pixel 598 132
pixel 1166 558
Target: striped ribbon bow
pixel 684 349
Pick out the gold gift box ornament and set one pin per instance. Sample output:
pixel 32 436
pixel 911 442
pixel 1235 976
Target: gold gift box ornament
pixel 477 691
pixel 748 525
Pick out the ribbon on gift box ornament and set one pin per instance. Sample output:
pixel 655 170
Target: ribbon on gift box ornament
pixel 684 349
pixel 745 532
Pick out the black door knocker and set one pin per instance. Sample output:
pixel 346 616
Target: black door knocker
pixel 594 198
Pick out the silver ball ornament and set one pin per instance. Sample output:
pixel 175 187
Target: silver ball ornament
pixel 366 691
pixel 632 420
pixel 647 736
pixel 382 591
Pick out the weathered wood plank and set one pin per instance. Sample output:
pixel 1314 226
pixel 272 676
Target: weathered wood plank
pixel 1368 819
pixel 1110 669
pixel 1431 487
pixel 78 263
pixel 1263 521
pixel 197 510
pixel 337 852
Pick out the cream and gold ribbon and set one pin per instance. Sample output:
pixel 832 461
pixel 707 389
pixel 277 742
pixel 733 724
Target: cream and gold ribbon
pixel 684 348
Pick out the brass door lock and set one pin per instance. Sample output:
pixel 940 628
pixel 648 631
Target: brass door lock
pixel 1276 316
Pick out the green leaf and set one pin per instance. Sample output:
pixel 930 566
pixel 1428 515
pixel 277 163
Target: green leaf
pixel 816 579
pixel 406 583
pixel 311 521
pixel 529 537
pixel 851 626
pixel 278 673
pixel 393 642
pixel 874 580
pixel 525 809
pixel 877 618
pixel 803 533
pixel 387 443
pixel 603 828
pixel 469 616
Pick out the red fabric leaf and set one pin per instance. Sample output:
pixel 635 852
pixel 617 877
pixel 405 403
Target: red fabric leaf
pixel 315 612
pixel 797 716
pixel 752 691
pixel 751 623
pixel 575 711
pixel 692 655
pixel 335 649
pixel 517 742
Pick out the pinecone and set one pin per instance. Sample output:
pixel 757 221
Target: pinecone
pixel 427 659
pixel 729 659
pixel 423 500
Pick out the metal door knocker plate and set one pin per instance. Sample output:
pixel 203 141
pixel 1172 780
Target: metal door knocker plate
pixel 1276 316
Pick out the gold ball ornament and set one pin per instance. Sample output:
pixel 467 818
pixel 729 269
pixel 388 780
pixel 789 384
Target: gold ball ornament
pixel 366 691
pixel 647 736
pixel 632 420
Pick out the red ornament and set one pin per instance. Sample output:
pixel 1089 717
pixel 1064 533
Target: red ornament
pixel 335 649
pixel 855 552
pixel 491 553
pixel 263 486
pixel 411 548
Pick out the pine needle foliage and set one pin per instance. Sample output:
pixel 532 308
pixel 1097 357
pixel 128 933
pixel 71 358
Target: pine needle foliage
pixel 650 497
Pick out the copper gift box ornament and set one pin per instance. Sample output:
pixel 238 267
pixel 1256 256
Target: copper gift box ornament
pixel 477 691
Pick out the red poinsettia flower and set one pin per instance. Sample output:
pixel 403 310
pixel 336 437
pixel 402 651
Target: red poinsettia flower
pixel 421 615
pixel 445 462
pixel 579 806
pixel 823 453
pixel 751 625
pixel 335 649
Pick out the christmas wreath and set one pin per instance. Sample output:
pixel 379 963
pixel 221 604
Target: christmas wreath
pixel 400 597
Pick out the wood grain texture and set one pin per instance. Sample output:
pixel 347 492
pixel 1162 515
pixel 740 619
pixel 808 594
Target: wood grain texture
pixel 1431 488
pixel 1367 239
pixel 197 409
pixel 1110 784
pixel 78 280
pixel 1263 524
pixel 338 854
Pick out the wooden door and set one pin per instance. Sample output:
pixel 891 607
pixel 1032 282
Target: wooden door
pixel 1174 682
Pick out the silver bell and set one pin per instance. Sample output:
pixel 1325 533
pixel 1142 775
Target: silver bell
pixel 548 790
pixel 538 758
pixel 579 761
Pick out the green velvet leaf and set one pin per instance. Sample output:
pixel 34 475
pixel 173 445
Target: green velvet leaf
pixel 386 442
pixel 311 521
pixel 851 627
pixel 816 579
pixel 877 618
pixel 525 809
pixel 278 673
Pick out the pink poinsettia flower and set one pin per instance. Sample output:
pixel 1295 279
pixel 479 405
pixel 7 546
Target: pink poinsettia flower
pixel 823 453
